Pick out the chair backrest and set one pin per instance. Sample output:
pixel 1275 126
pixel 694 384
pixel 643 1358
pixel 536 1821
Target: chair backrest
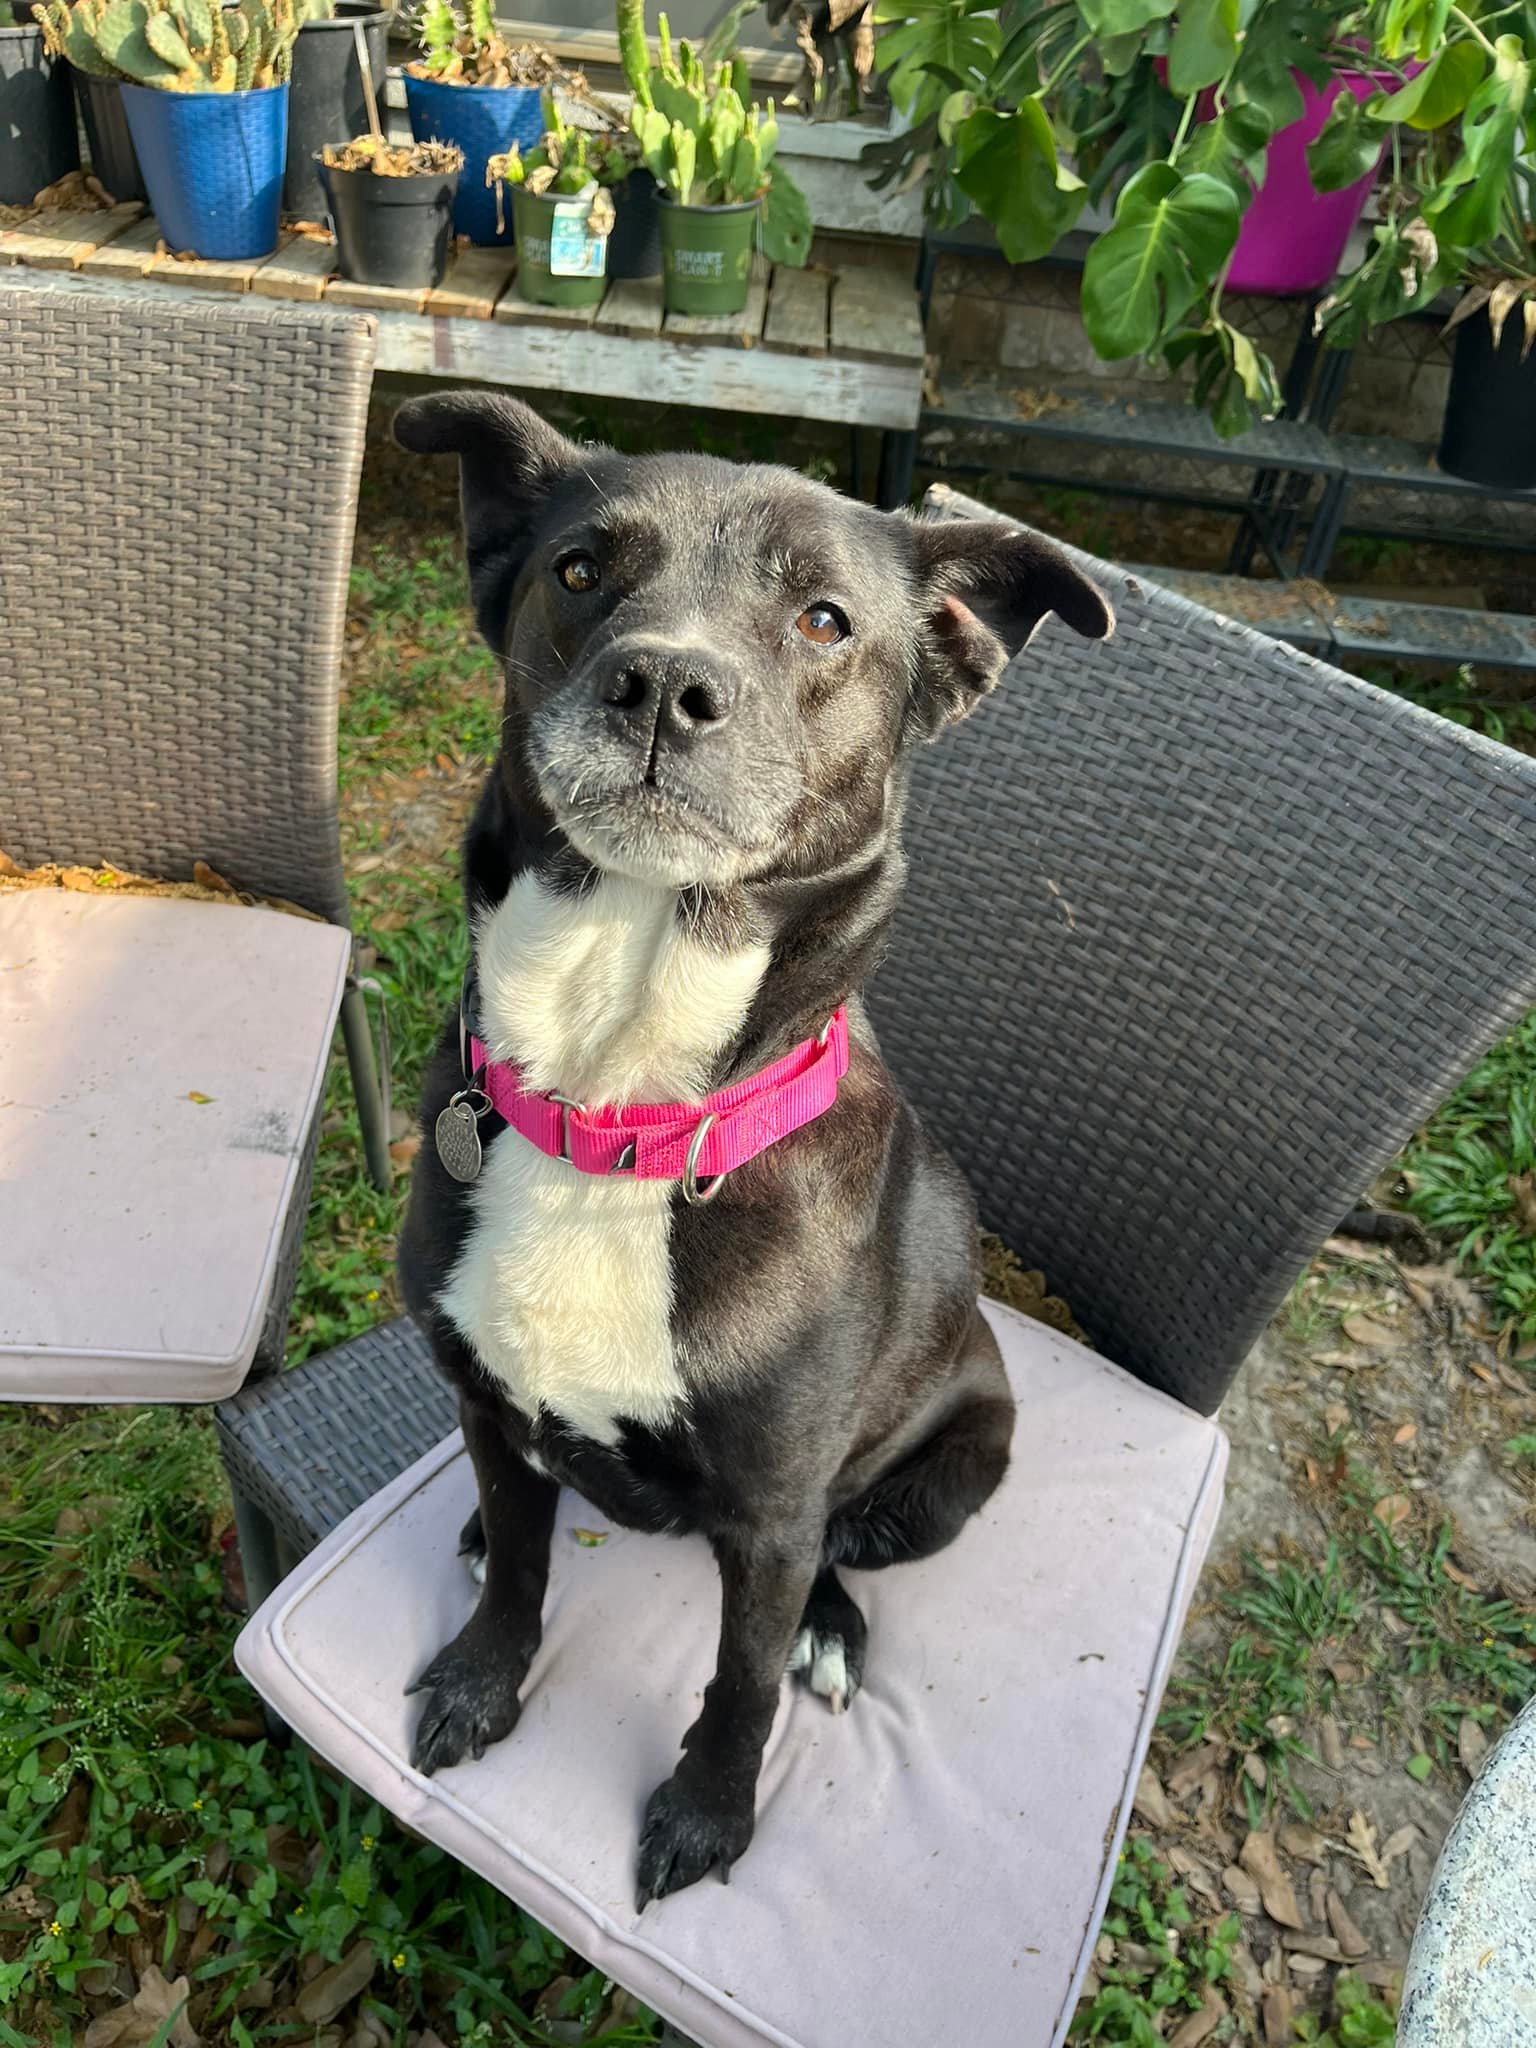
pixel 1198 931
pixel 180 485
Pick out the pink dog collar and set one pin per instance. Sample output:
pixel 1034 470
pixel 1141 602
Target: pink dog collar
pixel 682 1141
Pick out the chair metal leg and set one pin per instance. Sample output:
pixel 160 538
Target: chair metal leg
pixel 898 459
pixel 259 1558
pixel 372 1101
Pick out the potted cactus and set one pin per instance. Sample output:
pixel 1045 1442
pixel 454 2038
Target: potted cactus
pixel 205 89
pixel 562 203
pixel 392 209
pixel 327 101
pixel 713 156
pixel 471 88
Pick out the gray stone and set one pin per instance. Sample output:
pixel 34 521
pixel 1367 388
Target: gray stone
pixel 1471 1979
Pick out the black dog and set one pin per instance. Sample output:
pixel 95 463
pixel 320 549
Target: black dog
pixel 683 863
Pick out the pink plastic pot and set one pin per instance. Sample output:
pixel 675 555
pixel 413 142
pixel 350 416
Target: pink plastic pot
pixel 1293 238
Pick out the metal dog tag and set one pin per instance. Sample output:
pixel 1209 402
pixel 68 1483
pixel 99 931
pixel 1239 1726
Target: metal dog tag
pixel 458 1141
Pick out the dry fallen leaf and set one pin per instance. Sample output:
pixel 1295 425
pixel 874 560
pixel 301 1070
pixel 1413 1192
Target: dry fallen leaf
pixel 144 2018
pixel 1471 1747
pixel 197 1095
pixel 1304 1843
pixel 1199 2026
pixel 404 1150
pixel 590 1538
pixel 1243 1891
pixel 1368 1331
pixel 1278 2009
pixel 1360 1840
pixel 1187 1773
pixel 325 1995
pixel 1259 1859
pixel 1392 1510
pixel 1399 1842
pixel 1335 1415
pixel 210 878
pixel 1523 1188
pixel 1351 1941
pixel 1406 1433
pixel 1151 1801
pixel 1330 1739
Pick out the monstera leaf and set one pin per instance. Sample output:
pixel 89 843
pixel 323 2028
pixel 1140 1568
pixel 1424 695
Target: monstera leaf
pixel 1007 164
pixel 1204 44
pixel 1439 92
pixel 1172 234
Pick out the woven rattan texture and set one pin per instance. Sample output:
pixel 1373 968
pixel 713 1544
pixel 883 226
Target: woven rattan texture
pixel 180 483
pixel 1198 931
pixel 313 1444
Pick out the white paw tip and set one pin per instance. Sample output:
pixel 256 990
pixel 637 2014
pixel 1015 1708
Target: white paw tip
pixel 838 1702
pixel 829 1672
pixel 477 1568
pixel 801 1652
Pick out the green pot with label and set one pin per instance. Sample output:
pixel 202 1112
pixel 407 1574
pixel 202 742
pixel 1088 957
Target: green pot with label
pixel 553 239
pixel 706 255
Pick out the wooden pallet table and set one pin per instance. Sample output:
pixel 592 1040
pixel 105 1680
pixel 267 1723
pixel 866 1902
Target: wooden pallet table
pixel 818 344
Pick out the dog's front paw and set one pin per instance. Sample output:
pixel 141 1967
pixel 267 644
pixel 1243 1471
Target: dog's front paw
pixel 472 1700
pixel 689 1828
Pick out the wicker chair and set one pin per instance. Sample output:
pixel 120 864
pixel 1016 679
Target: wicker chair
pixel 1197 931
pixel 181 483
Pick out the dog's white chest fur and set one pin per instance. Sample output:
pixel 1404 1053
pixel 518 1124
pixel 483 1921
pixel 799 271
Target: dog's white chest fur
pixel 564 1288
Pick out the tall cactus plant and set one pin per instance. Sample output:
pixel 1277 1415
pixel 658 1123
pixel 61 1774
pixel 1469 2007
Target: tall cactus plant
pixel 195 46
pixel 703 137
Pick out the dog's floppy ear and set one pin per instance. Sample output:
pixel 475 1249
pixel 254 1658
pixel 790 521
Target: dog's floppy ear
pixel 984 588
pixel 509 461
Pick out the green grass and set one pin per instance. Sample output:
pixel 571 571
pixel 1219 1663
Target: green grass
pixel 1454 1654
pixel 1459 1171
pixel 118 1699
pixel 1271 1677
pixel 1138 2000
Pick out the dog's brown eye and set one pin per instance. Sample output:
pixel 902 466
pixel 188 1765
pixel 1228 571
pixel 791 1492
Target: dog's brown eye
pixel 579 573
pixel 823 625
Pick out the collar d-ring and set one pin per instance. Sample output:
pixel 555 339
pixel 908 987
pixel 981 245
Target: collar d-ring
pixel 693 1194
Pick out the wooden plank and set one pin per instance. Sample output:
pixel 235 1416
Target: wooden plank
pixel 516 311
pixel 298 271
pixel 632 306
pixel 723 330
pixel 875 319
pixel 476 280
pixel 539 357
pixel 61 241
pixel 127 255
pixel 212 274
pixel 378 298
pixel 797 311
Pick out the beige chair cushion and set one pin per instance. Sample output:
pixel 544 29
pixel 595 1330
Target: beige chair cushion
pixel 139 1227
pixel 929 1867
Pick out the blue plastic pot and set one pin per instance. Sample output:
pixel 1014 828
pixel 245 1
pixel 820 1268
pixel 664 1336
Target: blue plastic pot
pixel 213 166
pixel 483 120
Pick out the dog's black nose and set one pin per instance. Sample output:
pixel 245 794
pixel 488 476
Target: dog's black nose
pixel 683 694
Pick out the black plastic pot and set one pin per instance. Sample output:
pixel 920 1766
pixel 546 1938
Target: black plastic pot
pixel 391 230
pixel 634 246
pixel 326 101
pixel 1489 436
pixel 38 138
pixel 114 160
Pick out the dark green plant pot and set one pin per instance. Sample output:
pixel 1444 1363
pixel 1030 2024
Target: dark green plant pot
pixel 706 255
pixel 534 213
